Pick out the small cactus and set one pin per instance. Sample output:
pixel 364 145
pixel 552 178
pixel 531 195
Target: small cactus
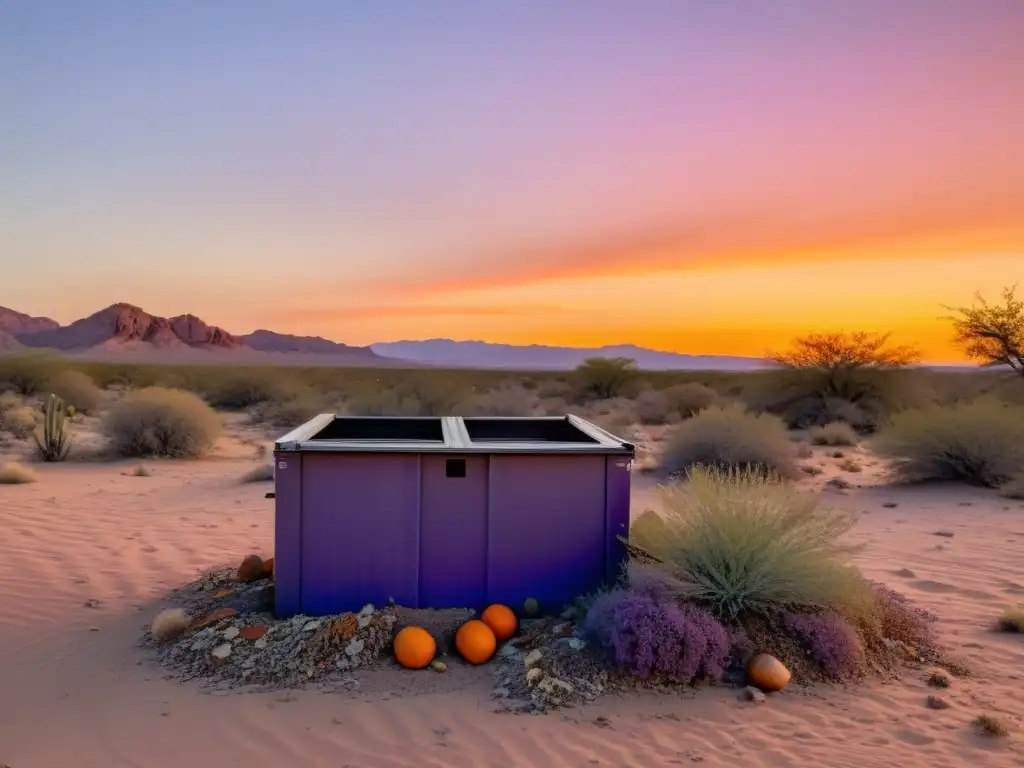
pixel 56 440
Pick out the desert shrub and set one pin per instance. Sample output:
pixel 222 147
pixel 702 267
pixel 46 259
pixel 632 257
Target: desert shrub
pixel 1011 620
pixel 831 642
pixel 980 442
pixel 680 401
pixel 13 473
pixel 726 437
pixel 243 390
pixel 301 405
pixel 739 543
pixel 19 421
pixel 77 390
pixel 690 398
pixel 1014 488
pixel 850 465
pixel 508 400
pixel 891 616
pixel 603 378
pixel 836 433
pixel 652 407
pixel 161 422
pixel 260 474
pixel 27 374
pixel 990 726
pixel 648 636
pixel 414 397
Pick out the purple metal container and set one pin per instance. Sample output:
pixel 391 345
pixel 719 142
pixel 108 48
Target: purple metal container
pixel 446 512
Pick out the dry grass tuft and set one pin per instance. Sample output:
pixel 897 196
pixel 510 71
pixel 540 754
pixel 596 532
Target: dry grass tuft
pixel 850 465
pixel 1012 620
pixel 161 422
pixel 836 433
pixel 990 726
pixel 260 474
pixel 13 473
pixel 20 421
pixel 170 623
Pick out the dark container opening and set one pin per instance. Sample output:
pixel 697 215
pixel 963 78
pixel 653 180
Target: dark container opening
pixel 373 429
pixel 482 430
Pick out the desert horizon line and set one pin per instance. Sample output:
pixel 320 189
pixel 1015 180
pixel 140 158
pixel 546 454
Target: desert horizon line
pixel 765 355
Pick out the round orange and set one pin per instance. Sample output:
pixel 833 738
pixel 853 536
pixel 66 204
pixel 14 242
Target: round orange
pixel 414 648
pixel 501 620
pixel 475 641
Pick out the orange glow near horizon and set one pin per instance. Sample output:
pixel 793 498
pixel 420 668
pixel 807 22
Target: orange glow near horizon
pixel 744 311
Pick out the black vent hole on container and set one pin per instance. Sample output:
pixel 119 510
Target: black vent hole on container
pixel 455 468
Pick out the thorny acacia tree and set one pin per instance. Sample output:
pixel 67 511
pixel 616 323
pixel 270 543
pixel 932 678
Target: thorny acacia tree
pixel 992 333
pixel 840 357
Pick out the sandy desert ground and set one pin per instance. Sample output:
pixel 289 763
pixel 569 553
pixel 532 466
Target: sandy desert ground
pixel 78 691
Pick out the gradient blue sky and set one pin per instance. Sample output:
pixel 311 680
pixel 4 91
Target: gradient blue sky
pixel 722 173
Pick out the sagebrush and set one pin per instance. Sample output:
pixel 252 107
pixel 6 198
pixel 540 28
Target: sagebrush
pixel 161 422
pixel 731 437
pixel 980 442
pixel 740 543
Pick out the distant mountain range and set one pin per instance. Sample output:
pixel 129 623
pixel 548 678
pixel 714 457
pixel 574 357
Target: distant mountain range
pixel 125 331
pixel 482 354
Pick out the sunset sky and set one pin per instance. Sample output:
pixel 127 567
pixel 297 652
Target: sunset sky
pixel 704 177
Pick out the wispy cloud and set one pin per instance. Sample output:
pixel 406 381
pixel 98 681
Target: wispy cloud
pixel 376 311
pixel 755 237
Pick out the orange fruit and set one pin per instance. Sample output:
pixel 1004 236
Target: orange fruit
pixel 501 620
pixel 475 641
pixel 414 648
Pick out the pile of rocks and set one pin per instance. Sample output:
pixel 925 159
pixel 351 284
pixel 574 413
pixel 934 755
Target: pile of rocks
pixel 548 665
pixel 234 639
pixel 227 637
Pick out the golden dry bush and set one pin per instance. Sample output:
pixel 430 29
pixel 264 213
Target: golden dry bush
pixel 77 389
pixel 161 422
pixel 19 421
pixel 14 473
pixel 170 623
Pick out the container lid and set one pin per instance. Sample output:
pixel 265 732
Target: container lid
pixel 452 434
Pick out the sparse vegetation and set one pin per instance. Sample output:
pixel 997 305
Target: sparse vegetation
pixel 731 437
pixel 740 543
pixel 853 377
pixel 55 441
pixel 1014 488
pixel 992 333
pixel 27 374
pixel 680 401
pixel 990 726
pixel 835 433
pixel 260 474
pixel 161 422
pixel 19 421
pixel 76 389
pixel 1011 620
pixel 13 473
pixel 850 465
pixel 602 378
pixel 980 443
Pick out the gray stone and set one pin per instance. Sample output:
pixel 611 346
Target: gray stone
pixel 221 652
